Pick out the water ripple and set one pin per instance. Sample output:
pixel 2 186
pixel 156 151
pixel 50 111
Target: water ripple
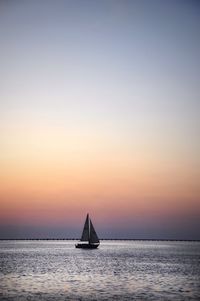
pixel 127 270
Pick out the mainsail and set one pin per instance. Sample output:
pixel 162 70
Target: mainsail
pixel 85 234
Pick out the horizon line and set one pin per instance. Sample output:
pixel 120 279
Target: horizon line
pixel 118 239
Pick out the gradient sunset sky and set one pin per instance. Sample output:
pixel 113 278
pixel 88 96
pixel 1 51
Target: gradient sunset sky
pixel 100 113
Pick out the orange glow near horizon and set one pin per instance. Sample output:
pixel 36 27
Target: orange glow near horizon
pixel 51 176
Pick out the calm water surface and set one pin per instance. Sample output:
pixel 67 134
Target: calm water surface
pixel 118 270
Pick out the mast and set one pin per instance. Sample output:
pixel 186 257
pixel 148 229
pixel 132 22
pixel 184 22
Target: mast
pixel 88 228
pixel 85 235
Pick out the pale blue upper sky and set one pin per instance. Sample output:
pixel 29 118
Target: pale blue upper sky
pixel 127 66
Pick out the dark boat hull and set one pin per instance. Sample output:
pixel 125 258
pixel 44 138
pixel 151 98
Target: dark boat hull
pixel 86 246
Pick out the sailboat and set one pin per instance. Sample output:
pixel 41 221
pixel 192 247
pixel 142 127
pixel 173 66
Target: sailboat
pixel 89 238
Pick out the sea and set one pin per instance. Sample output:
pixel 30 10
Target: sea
pixel 118 270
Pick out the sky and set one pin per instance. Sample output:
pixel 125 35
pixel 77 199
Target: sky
pixel 99 113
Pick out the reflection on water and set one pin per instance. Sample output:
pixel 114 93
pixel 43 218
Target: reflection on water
pixel 118 270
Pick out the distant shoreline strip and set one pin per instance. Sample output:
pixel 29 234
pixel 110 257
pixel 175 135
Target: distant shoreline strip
pixel 102 239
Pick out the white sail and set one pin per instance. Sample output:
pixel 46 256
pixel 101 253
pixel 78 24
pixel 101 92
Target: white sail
pixel 85 234
pixel 93 236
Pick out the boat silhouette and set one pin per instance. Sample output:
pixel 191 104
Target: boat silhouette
pixel 89 238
